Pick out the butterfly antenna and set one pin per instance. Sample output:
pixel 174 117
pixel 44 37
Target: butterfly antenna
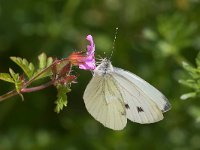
pixel 113 45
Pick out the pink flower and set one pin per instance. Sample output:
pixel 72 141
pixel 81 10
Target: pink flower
pixel 89 60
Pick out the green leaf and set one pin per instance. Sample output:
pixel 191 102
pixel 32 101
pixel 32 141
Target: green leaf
pixel 189 83
pixel 188 67
pixel 17 80
pixel 31 67
pixel 44 62
pixel 6 77
pixel 49 61
pixel 14 75
pixel 61 97
pixel 191 70
pixel 27 67
pixel 188 95
pixel 194 81
pixel 13 78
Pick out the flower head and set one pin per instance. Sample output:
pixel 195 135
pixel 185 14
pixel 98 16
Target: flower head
pixel 89 60
pixel 85 60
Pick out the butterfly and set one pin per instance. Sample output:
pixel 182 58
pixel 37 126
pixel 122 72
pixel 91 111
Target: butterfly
pixel 114 95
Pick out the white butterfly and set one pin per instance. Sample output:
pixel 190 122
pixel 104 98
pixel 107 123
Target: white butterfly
pixel 115 95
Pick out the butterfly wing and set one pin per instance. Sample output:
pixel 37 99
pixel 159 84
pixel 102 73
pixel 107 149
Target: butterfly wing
pixel 155 95
pixel 144 103
pixel 104 102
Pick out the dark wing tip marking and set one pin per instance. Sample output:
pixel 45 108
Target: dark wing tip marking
pixel 166 107
pixel 140 109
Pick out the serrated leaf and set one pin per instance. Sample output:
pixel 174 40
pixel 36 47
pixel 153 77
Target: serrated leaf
pixel 14 75
pixel 194 81
pixel 24 65
pixel 49 61
pixel 24 61
pixel 6 77
pixel 17 80
pixel 31 67
pixel 61 97
pixel 42 60
pixel 43 63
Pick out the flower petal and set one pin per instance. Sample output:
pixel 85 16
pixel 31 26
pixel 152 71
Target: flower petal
pixel 91 47
pixel 89 60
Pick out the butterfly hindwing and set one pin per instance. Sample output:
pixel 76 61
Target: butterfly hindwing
pixel 104 102
pixel 139 107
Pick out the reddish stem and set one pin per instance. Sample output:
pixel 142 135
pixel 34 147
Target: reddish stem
pixel 8 95
pixel 37 88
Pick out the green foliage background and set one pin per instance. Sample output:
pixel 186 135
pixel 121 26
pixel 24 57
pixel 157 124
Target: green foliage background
pixel 154 38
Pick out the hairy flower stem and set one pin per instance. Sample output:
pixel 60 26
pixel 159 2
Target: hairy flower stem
pixel 25 90
pixel 37 88
pixel 8 95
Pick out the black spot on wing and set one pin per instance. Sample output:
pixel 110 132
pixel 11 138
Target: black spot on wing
pixel 140 109
pixel 127 106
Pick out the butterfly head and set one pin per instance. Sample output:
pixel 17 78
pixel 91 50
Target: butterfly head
pixel 105 67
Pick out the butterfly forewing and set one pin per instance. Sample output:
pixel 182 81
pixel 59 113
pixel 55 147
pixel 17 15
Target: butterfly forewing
pixel 104 102
pixel 155 95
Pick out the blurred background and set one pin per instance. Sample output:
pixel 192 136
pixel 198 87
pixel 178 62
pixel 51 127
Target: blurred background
pixel 154 38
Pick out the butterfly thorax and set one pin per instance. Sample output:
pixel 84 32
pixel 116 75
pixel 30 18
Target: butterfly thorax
pixel 104 68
